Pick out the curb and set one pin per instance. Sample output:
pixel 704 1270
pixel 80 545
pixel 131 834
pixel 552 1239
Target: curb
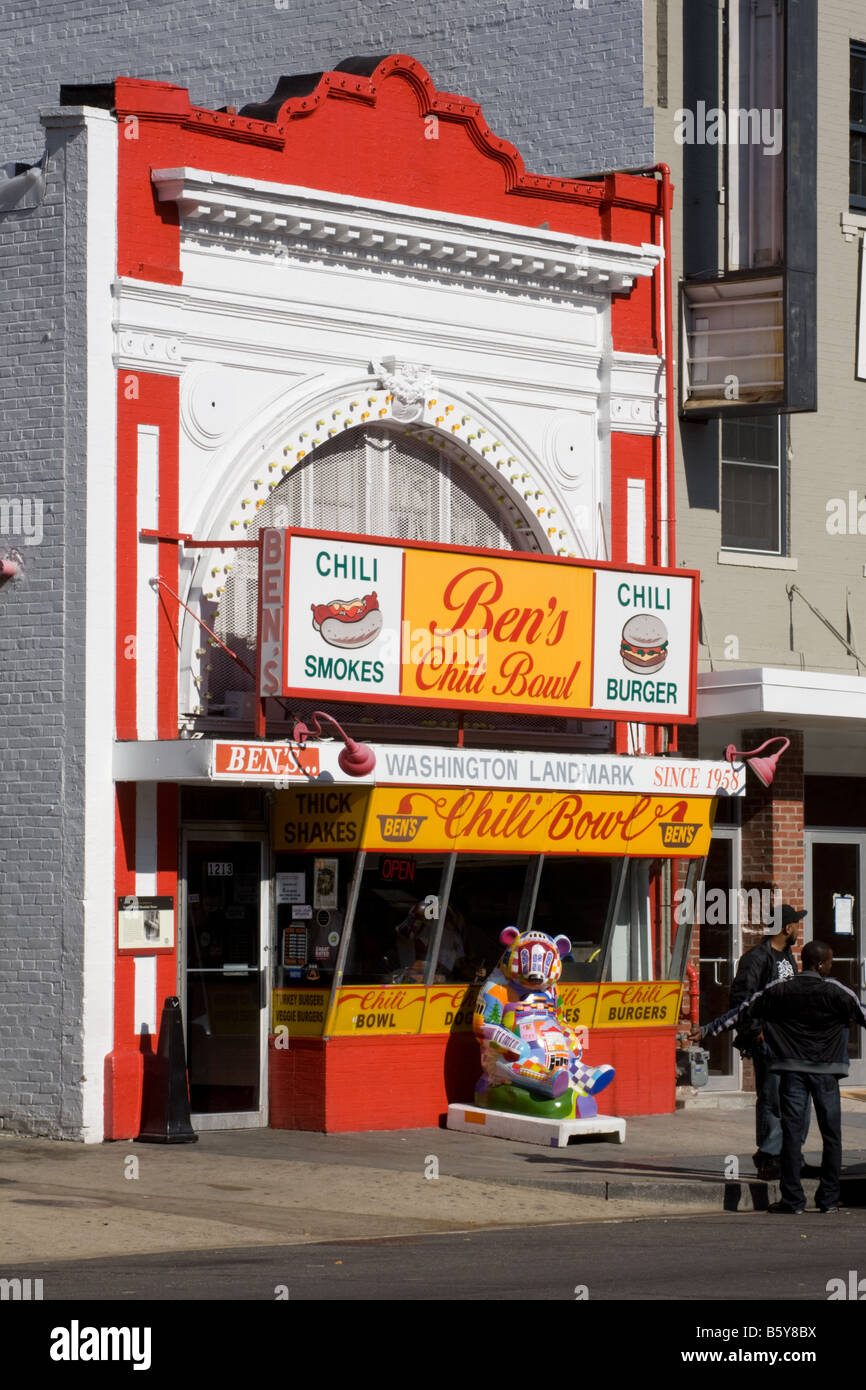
pixel 709 1194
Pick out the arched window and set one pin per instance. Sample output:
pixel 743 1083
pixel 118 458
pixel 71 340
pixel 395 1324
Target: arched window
pixel 383 481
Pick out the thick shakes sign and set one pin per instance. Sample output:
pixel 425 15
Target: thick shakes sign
pixel 381 621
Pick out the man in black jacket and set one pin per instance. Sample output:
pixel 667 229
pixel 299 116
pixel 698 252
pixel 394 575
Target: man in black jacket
pixel 772 959
pixel 805 1022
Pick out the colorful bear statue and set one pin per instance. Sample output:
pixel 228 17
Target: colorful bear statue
pixel 530 1054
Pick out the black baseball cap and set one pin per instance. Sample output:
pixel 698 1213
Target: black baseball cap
pixel 791 914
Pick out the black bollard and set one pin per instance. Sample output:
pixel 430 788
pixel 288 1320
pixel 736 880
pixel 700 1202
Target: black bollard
pixel 165 1100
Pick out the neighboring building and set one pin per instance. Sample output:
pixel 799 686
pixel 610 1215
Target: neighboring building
pixel 759 110
pixel 423 342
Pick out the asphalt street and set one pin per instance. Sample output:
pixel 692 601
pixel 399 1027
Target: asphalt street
pixel 718 1258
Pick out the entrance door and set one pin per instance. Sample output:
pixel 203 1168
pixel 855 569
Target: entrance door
pixel 719 952
pixel 226 946
pixel 835 874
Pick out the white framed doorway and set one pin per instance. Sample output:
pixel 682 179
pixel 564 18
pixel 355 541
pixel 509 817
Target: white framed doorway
pixel 836 865
pixel 720 949
pixel 224 985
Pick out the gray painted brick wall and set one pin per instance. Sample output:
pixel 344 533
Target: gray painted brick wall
pixel 562 82
pixel 41 657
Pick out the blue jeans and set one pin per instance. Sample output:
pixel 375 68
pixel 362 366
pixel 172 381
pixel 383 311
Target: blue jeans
pixel 795 1090
pixel 768 1118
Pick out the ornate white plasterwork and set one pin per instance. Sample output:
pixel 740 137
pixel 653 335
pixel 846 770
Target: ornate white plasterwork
pixel 637 393
pixel 220 213
pixel 148 351
pixel 410 383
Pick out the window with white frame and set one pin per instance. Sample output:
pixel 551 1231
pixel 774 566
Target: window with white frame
pixel 857 154
pixel 752 484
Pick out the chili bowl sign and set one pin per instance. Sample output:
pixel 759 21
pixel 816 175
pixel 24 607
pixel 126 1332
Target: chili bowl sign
pixel 392 623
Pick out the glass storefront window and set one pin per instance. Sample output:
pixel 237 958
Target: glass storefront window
pixel 573 900
pixel 400 900
pixel 311 897
pixel 488 892
pixel 437 918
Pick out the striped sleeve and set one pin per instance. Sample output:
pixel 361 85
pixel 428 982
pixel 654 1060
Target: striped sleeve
pixel 857 1012
pixel 742 1014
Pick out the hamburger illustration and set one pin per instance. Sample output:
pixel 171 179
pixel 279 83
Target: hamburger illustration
pixel 644 645
pixel 353 624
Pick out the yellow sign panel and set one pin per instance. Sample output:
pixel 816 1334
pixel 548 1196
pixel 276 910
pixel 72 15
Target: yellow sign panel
pixel 301 1011
pixel 638 1005
pixel 360 1010
pixel 494 821
pixel 515 632
pixel 449 1009
pixel 578 1002
pixel 317 818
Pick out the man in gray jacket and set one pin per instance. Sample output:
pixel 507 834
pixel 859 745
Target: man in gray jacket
pixel 805 1021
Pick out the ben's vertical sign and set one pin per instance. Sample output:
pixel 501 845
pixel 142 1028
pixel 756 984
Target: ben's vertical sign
pixel 272 582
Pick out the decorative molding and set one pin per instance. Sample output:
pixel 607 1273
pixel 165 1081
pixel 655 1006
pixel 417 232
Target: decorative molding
pixel 222 214
pixel 409 384
pixel 637 394
pixel 147 351
pixel 635 415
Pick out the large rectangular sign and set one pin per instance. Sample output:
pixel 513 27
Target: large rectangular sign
pixel 421 820
pixel 355 618
pixel 280 764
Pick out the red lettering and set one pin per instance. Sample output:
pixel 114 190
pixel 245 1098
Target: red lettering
pixel 486 592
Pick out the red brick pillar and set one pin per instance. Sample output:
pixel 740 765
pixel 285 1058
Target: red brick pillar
pixel 772 840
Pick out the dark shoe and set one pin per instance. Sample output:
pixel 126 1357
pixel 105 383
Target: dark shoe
pixel 782 1208
pixel 830 1211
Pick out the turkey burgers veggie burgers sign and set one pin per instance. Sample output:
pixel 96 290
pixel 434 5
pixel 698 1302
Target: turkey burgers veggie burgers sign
pixel 379 621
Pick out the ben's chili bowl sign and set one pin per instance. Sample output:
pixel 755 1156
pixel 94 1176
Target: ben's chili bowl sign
pixel 539 822
pixel 460 628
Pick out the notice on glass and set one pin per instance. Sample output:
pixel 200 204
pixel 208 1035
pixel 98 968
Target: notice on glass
pixel 843 914
pixel 325 884
pixel 290 888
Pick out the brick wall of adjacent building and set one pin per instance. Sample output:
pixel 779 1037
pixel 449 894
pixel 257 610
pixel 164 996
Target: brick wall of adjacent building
pixel 41 655
pixel 561 79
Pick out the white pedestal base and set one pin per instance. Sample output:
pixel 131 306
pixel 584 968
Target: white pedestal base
pixel 553 1134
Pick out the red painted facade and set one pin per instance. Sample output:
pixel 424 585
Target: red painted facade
pixel 415 146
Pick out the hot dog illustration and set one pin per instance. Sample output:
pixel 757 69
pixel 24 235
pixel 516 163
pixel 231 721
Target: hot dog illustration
pixel 353 624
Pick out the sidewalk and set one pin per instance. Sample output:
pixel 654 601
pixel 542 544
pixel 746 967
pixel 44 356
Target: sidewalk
pixel 256 1187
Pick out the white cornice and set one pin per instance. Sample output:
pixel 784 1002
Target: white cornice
pixel 221 213
pixel 786 695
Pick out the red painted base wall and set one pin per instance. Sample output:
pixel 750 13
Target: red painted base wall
pixel 349 1084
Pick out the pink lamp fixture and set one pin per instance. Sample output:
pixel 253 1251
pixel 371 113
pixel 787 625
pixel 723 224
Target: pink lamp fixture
pixel 763 768
pixel 356 759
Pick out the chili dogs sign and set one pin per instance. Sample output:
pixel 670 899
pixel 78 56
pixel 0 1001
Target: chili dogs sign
pixel 385 622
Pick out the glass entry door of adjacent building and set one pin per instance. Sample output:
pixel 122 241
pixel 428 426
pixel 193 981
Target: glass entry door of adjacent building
pixel 720 947
pixel 225 990
pixel 835 883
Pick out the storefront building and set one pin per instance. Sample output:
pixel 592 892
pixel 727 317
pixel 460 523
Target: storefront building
pixel 347 361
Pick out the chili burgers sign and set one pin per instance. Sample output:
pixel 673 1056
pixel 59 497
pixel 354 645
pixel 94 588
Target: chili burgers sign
pixel 360 618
